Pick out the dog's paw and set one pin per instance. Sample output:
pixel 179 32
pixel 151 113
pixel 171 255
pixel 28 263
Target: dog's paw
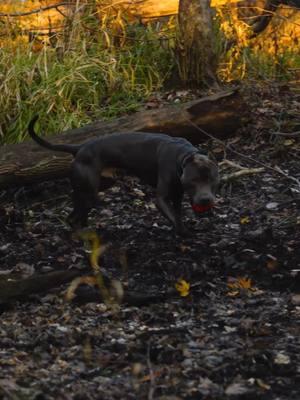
pixel 183 232
pixel 76 221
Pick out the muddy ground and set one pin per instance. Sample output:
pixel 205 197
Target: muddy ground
pixel 235 336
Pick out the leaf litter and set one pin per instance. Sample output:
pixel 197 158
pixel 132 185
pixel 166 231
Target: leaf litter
pixel 199 342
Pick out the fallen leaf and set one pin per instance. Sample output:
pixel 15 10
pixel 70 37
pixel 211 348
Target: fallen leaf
pixel 183 287
pixel 149 377
pixel 241 283
pixel 244 220
pixel 296 300
pixel 272 206
pixel 183 248
pixel 282 359
pixel 24 270
pixel 272 262
pixel 233 293
pixel 236 389
pixel 289 142
pixel 262 384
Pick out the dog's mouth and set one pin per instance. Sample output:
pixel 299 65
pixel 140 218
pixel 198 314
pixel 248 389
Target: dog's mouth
pixel 200 208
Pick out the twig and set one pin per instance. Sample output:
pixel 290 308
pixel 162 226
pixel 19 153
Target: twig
pixel 287 134
pixel 242 172
pixel 228 147
pixel 151 374
pixel 36 10
pixel 276 168
pixel 231 164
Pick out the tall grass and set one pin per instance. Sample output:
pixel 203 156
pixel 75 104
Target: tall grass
pixel 272 55
pixel 94 79
pixel 108 68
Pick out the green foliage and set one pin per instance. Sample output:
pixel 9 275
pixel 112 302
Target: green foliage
pixel 100 70
pixel 94 79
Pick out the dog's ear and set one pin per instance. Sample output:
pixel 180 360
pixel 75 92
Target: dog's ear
pixel 187 159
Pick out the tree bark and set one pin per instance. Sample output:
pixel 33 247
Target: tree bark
pixel 219 115
pixel 12 289
pixel 197 60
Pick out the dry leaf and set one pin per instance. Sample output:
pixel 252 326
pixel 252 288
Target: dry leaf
pixel 241 283
pixel 244 220
pixel 183 287
pixel 149 377
pixel 262 384
pixel 183 248
pixel 238 285
pixel 272 262
pixel 289 142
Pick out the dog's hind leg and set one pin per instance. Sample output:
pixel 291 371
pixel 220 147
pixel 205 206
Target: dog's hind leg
pixel 85 182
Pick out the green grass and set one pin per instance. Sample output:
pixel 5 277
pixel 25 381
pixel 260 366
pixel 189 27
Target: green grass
pixel 92 81
pixel 99 78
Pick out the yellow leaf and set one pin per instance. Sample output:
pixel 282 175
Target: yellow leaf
pixel 238 285
pixel 245 283
pixel 289 142
pixel 245 220
pixel 183 287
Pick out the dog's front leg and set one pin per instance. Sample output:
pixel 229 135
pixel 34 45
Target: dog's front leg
pixel 177 203
pixel 165 206
pixel 85 181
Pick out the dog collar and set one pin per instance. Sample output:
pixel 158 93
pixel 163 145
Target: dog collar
pixel 186 159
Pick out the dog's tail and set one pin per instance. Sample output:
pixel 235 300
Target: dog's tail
pixel 67 148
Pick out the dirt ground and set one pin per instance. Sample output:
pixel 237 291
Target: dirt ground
pixel 235 336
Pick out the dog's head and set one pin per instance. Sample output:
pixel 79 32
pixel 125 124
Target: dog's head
pixel 200 179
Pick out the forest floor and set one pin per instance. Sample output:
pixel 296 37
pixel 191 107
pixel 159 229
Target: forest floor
pixel 235 336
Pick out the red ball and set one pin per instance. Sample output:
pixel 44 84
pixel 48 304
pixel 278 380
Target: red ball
pixel 199 208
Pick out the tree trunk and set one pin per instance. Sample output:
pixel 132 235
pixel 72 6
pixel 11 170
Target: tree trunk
pixel 195 49
pixel 219 115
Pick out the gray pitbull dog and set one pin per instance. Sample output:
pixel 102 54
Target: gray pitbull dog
pixel 172 165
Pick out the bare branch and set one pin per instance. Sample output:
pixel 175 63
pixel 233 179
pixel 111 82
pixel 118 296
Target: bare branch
pixel 230 148
pixel 242 172
pixel 35 11
pixel 286 134
pixel 231 164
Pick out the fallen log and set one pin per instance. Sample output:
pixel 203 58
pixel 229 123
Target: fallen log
pixel 14 289
pixel 219 115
